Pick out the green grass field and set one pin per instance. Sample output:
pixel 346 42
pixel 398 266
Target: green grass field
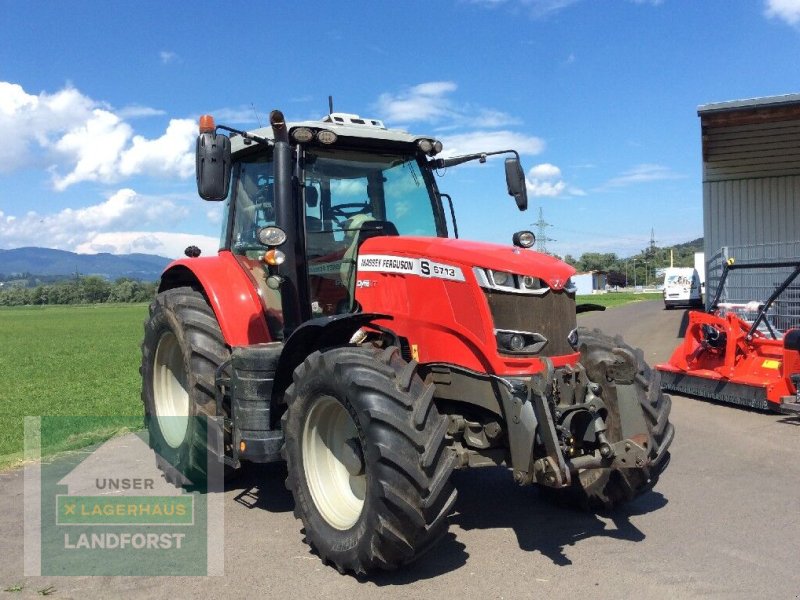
pixel 69 361
pixel 616 298
pixel 82 363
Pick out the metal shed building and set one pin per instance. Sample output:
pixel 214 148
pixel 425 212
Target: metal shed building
pixel 751 186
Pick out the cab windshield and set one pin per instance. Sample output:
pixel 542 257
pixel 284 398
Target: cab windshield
pixel 344 189
pixel 348 193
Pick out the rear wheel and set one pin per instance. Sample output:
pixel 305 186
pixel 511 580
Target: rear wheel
pixel 181 351
pixel 366 458
pixel 613 364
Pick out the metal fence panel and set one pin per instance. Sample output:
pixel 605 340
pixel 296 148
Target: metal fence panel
pixel 742 287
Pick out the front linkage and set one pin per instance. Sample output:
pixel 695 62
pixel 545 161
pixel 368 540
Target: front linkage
pixel 558 425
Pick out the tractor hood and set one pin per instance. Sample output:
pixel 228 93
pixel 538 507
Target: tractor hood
pixel 467 254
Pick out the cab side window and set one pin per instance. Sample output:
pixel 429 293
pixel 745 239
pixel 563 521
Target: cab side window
pixel 254 205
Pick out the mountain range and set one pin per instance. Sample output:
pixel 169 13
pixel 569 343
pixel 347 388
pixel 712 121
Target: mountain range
pixel 50 262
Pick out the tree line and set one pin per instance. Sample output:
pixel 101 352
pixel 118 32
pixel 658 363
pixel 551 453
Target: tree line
pixel 640 268
pixel 79 290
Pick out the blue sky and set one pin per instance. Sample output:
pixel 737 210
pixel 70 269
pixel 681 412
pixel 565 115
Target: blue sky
pixel 99 101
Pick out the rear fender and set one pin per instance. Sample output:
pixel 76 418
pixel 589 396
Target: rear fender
pixel 229 291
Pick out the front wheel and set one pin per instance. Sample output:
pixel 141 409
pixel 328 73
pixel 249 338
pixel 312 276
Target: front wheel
pixel 182 349
pixel 615 365
pixel 366 458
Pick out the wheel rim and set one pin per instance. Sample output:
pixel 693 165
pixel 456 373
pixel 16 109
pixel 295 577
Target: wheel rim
pixel 333 463
pixel 170 395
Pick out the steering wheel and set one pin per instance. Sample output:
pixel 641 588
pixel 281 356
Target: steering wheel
pixel 343 212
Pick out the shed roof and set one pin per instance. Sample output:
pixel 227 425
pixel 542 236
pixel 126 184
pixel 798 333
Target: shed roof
pixel 771 109
pixel 749 103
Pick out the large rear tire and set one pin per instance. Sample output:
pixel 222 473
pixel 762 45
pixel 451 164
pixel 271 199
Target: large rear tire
pixel 182 349
pixel 612 364
pixel 366 458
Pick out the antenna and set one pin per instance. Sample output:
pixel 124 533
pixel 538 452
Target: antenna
pixel 330 105
pixel 256 114
pixel 541 233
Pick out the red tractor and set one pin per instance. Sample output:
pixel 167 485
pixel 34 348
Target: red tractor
pixel 341 329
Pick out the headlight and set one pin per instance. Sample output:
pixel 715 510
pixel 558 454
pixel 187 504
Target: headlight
pixel 502 279
pixel 510 282
pixel 532 283
pixel 519 342
pixel 271 236
pixel 302 135
pixel 524 239
pixel 425 145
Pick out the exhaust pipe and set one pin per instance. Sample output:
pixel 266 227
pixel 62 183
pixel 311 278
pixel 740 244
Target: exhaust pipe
pixel 278 123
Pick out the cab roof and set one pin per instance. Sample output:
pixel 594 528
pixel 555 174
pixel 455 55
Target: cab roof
pixel 343 125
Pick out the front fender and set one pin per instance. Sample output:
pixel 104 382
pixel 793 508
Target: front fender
pixel 230 292
pixel 316 334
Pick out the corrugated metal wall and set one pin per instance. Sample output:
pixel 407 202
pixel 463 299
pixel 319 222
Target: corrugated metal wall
pixel 751 204
pixel 751 211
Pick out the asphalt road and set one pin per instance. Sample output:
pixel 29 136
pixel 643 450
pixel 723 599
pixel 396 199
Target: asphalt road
pixel 724 521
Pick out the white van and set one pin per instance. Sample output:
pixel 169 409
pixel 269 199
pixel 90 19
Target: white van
pixel 682 287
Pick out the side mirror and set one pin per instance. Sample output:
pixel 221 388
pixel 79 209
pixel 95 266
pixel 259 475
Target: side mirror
pixel 515 180
pixel 213 165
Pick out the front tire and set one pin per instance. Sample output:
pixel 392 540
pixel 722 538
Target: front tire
pixel 182 349
pixel 366 458
pixel 609 362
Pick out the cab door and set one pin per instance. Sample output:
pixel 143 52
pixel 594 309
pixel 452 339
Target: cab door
pixel 252 206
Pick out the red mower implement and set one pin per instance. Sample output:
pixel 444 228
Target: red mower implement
pixel 747 361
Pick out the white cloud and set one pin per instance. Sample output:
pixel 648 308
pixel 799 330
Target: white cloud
pixel 425 102
pixel 79 139
pixel 537 8
pixel 540 9
pixel 73 229
pixel 429 103
pixel 135 111
pixel 162 243
pixel 168 57
pixel 544 8
pixel 214 214
pixel 642 174
pixel 545 171
pixel 94 147
pixel 545 180
pixel 785 10
pixel 168 155
pixel 32 121
pixel 490 141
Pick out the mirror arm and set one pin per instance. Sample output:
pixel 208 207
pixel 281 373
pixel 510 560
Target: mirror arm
pixel 443 163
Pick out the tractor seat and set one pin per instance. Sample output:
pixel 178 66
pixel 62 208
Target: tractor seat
pixel 319 237
pixel 358 229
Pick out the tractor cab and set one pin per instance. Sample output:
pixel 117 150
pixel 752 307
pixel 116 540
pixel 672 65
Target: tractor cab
pixel 335 183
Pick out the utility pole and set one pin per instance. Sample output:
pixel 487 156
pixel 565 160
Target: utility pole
pixel 541 233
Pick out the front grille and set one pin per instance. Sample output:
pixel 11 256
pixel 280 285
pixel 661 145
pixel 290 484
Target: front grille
pixel 552 315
